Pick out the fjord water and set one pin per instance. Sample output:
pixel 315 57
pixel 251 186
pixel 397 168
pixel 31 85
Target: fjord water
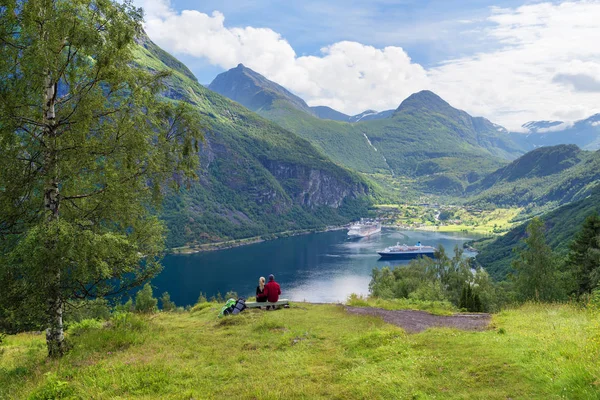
pixel 320 267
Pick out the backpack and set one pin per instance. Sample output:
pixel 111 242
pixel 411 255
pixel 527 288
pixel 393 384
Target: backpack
pixel 228 308
pixel 239 306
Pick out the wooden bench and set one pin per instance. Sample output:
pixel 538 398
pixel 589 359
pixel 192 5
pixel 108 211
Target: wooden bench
pixel 255 304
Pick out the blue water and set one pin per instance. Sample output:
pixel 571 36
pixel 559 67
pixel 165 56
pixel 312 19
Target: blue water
pixel 320 267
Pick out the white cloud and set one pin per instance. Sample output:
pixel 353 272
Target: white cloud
pixel 546 56
pixel 347 76
pixel 556 128
pixel 518 82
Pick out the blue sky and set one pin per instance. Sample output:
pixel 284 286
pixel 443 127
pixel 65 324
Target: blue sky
pixel 509 61
pixel 430 31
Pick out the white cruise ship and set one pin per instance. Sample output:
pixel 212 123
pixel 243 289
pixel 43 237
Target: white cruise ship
pixel 364 228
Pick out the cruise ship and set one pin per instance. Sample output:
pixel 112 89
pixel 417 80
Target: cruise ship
pixel 364 228
pixel 404 252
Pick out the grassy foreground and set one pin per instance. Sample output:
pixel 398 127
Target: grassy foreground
pixel 311 351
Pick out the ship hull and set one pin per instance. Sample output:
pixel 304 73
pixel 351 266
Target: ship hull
pixel 405 256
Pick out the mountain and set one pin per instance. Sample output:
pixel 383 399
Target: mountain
pixel 338 140
pixel 443 146
pixel 324 112
pixel 561 226
pixel 255 177
pixel 257 93
pixel 584 133
pixel 254 91
pixel 547 176
pixel 424 137
pixel 370 115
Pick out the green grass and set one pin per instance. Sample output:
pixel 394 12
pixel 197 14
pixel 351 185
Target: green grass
pixel 313 351
pixel 485 223
pixel 461 219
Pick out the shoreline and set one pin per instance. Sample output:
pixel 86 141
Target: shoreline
pixel 453 229
pixel 230 244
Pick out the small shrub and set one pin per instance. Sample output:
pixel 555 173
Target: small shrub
pixel 80 327
pixel 355 300
pixel 126 307
pixel 231 295
pixel 167 304
pixel 217 299
pixel 501 331
pixel 201 298
pixel 128 321
pixel 594 300
pixel 144 301
pixel 119 333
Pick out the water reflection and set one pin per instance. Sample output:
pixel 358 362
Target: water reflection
pixel 322 267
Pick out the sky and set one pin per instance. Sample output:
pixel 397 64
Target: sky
pixel 509 61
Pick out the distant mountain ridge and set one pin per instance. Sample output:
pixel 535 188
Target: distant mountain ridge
pixel 424 136
pixel 584 133
pixel 257 93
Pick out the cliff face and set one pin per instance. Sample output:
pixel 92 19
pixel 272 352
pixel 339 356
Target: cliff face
pixel 314 187
pixel 255 177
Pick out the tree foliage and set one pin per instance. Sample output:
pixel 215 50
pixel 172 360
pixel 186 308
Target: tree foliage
pixel 145 301
pixel 537 270
pixel 86 146
pixel 166 302
pixel 442 278
pixel 584 255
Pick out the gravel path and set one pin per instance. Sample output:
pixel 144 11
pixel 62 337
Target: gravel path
pixel 417 321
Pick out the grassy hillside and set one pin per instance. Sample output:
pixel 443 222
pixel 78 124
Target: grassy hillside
pixel 548 176
pixel 341 141
pixel 310 351
pixel 256 177
pixel 561 226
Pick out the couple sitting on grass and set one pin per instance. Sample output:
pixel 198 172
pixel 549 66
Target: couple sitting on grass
pixel 269 292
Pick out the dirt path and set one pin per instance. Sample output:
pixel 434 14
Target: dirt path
pixel 417 321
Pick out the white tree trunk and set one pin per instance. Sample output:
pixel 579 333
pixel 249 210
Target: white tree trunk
pixel 54 333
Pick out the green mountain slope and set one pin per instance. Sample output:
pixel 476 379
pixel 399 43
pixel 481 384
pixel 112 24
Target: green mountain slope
pixel 425 137
pixel 256 177
pixel 561 226
pixel 547 176
pixel 339 141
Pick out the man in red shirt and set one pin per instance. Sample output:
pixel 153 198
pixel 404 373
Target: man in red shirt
pixel 272 290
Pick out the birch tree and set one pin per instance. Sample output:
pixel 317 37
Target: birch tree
pixel 86 146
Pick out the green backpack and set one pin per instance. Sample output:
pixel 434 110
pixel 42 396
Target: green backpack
pixel 227 308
